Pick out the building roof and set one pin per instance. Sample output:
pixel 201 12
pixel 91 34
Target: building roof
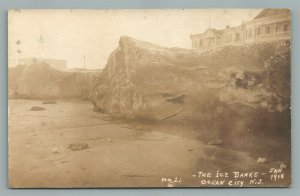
pixel 263 14
pixel 213 31
pixel 208 33
pixel 41 59
pixel 271 12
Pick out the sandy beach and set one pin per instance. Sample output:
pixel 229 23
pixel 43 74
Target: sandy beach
pixel 118 154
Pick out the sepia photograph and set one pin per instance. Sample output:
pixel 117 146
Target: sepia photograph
pixel 149 98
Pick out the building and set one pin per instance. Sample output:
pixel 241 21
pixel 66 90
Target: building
pixel 54 63
pixel 269 24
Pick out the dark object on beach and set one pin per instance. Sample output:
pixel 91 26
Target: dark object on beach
pixel 178 100
pixel 98 109
pixel 215 142
pixel 37 108
pixel 78 146
pixel 173 115
pixel 50 102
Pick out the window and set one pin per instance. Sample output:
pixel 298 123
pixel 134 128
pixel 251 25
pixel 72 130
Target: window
pixel 201 43
pixel 195 43
pixel 237 37
pixel 285 28
pixel 258 31
pixel 249 33
pixel 229 38
pixel 267 29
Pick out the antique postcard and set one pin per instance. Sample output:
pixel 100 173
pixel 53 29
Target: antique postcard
pixel 149 98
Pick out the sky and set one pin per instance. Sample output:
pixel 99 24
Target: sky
pixel 75 35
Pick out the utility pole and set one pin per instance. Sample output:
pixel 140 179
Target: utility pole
pixel 19 51
pixel 209 20
pixel 84 62
pixel 41 46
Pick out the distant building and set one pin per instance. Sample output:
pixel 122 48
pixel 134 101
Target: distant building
pixel 269 24
pixel 54 63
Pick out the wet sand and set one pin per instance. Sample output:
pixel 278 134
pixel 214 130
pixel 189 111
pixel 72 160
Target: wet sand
pixel 118 154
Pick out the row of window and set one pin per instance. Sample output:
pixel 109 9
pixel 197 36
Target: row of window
pixel 210 42
pixel 236 37
pixel 258 31
pixel 199 43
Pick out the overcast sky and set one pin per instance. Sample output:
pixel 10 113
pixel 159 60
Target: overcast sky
pixel 73 34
